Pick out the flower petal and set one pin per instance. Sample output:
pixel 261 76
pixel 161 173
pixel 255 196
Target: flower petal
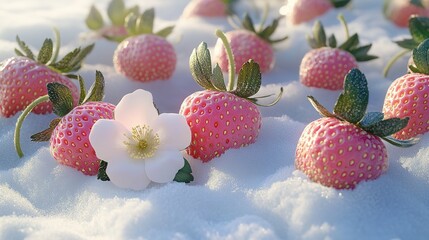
pixel 128 174
pixel 136 108
pixel 164 166
pixel 107 137
pixel 173 131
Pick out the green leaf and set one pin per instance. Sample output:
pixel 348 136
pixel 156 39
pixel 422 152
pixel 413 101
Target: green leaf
pixel 132 10
pixel 361 53
pixel 247 23
pixel 46 51
pixel 165 32
pixel 61 98
pixel 64 64
pixel 319 34
pixel 387 127
pixel 45 135
pixel 320 108
pixel 184 174
pixel 82 90
pixel 200 66
pixel 340 3
pixel 249 80
pixel 102 175
pixel 94 19
pixel 407 43
pixel 269 30
pixel 371 118
pixel 420 57
pixel 401 143
pixel 217 79
pixel 353 101
pixel 419 28
pixel 332 41
pixel 350 43
pixel 25 49
pixel 145 22
pixel 96 91
pixel 131 24
pixel 116 12
pixel 76 63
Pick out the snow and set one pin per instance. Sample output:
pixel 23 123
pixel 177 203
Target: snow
pixel 248 193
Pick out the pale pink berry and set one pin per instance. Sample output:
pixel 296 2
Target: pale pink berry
pixel 399 11
pixel 339 154
pixel 69 142
pixel 245 45
pixel 205 8
pixel 22 80
pixel 219 121
pixel 145 58
pixel 299 11
pixel 326 68
pixel 408 96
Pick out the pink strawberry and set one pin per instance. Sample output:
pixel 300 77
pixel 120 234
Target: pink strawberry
pixel 207 8
pixel 117 13
pixel 219 121
pixel 326 64
pixel 344 148
pixel 249 43
pixel 145 56
pixel 69 142
pixel 299 11
pixel 408 96
pixel 399 11
pixel 24 78
pixel 69 134
pixel 221 118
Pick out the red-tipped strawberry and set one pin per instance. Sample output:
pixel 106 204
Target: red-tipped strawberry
pixel 221 117
pixel 249 43
pixel 145 55
pixel 408 95
pixel 419 30
pixel 344 148
pixel 69 134
pixel 326 64
pixel 117 13
pixel 24 78
pixel 208 8
pixel 399 11
pixel 300 11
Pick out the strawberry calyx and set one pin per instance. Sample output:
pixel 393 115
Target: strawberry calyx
pixel 116 12
pixel 351 45
pixel 48 54
pixel 248 80
pixel 419 30
pixel 138 24
pixel 351 107
pixel 62 101
pixel 263 31
pixel 421 63
pixel 340 3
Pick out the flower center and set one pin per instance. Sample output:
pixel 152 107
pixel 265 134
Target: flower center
pixel 142 143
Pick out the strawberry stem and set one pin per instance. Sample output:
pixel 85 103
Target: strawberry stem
pixel 57 45
pixel 264 16
pixel 21 118
pixel 231 61
pixel 393 60
pixel 344 23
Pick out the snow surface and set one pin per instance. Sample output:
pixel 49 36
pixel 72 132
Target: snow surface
pixel 248 193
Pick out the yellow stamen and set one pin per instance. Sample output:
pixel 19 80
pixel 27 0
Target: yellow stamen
pixel 142 143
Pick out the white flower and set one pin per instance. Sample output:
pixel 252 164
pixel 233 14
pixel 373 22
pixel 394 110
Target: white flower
pixel 139 145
